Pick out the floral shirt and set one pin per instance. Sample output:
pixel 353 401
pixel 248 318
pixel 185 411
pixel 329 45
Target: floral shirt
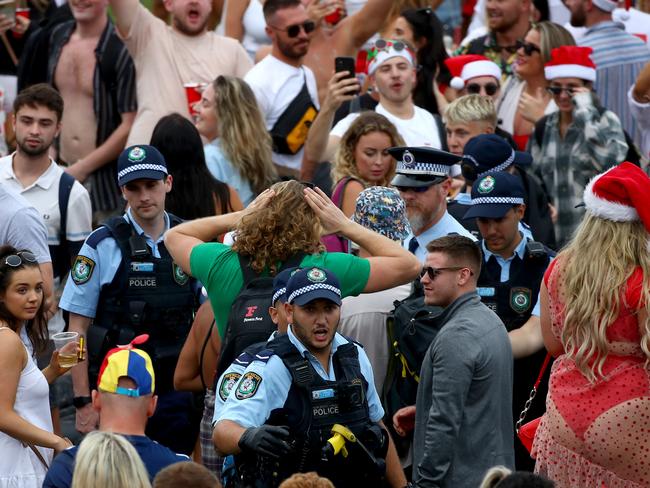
pixel 487 46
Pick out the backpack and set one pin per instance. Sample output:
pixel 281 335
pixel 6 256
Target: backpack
pixel 64 252
pixel 249 321
pixel 412 327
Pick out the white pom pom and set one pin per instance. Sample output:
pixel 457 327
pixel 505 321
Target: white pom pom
pixel 457 83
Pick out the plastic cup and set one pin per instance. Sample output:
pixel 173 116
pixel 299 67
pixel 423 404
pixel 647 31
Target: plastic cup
pixel 335 17
pixel 24 13
pixel 193 94
pixel 66 344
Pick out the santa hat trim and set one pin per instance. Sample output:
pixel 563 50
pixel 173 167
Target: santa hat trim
pixel 606 209
pixel 480 68
pixel 570 71
pixel 385 55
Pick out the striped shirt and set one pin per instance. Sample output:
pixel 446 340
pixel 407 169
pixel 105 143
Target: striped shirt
pixel 113 94
pixel 619 58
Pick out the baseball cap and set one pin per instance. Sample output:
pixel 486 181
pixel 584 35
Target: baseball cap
pixel 382 210
pixel 421 166
pixel 280 284
pixel 127 361
pixel 140 162
pixel 488 153
pixel 494 194
pixel 309 284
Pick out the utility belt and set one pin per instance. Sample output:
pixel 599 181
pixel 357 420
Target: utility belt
pixel 289 133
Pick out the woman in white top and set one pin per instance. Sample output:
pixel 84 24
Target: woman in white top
pixel 26 439
pixel 524 98
pixel 245 22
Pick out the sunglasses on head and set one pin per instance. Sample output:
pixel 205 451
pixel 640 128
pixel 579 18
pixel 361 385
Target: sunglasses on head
pixel 528 47
pixel 433 272
pixel 293 30
pixel 557 90
pixel 475 88
pixel 15 260
pixel 386 45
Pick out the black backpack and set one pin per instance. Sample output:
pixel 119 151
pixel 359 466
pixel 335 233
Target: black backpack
pixel 412 327
pixel 249 321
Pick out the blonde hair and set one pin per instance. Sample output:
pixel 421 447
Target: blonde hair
pixel 494 476
pixel 286 226
pixel 242 132
pixel 107 460
pixel 596 266
pixel 552 35
pixel 306 480
pixel 471 108
pixel 366 123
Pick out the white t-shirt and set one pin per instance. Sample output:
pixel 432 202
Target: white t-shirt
pixel 419 130
pixel 275 85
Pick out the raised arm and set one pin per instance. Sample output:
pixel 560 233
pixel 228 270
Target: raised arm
pixel 366 22
pixel 123 13
pixel 235 10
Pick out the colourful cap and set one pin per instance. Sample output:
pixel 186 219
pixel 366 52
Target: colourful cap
pixel 382 210
pixel 127 361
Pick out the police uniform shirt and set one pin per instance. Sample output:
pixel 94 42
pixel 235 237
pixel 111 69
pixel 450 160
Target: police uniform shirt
pixel 520 251
pixel 98 260
pixel 445 226
pixel 264 387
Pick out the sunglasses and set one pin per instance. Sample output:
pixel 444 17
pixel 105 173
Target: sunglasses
pixel 475 88
pixel 293 30
pixel 528 47
pixel 385 45
pixel 557 90
pixel 414 189
pixel 15 260
pixel 433 272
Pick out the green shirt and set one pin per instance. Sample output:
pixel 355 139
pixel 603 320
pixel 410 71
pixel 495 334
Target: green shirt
pixel 217 267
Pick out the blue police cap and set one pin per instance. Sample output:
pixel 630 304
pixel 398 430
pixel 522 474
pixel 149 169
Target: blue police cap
pixel 280 284
pixel 494 194
pixel 421 166
pixel 140 162
pixel 488 153
pixel 310 284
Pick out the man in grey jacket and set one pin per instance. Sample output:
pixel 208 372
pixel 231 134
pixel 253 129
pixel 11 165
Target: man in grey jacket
pixel 463 423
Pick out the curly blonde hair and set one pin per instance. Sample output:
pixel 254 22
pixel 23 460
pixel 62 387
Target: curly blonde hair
pixel 366 123
pixel 242 132
pixel 596 266
pixel 286 226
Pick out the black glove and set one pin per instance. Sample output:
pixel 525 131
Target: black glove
pixel 270 440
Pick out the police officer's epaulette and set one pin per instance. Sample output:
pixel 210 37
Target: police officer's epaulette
pixel 264 355
pixel 97 236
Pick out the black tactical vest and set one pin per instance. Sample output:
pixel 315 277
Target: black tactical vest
pixel 148 295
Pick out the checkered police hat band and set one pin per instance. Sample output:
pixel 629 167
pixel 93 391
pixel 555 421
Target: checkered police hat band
pixel 141 167
pixel 310 288
pixel 499 167
pixel 278 294
pixel 423 168
pixel 497 200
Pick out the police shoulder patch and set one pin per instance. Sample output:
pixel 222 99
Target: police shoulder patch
pixel 82 269
pixel 180 277
pixel 520 299
pixel 227 382
pixel 248 385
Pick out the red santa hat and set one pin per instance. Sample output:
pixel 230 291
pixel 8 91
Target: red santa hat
pixel 621 194
pixel 468 66
pixel 571 62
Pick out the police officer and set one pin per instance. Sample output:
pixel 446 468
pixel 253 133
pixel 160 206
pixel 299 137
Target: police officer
pixel 509 283
pixel 125 282
pixel 282 412
pixel 423 178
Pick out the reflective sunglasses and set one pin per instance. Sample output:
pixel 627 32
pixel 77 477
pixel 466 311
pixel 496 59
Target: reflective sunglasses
pixel 475 88
pixel 15 260
pixel 433 272
pixel 387 44
pixel 557 90
pixel 528 47
pixel 293 30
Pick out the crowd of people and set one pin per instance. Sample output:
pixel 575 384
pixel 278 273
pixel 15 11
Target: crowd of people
pixel 326 243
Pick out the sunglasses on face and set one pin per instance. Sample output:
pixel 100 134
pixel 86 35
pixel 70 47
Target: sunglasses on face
pixel 433 272
pixel 557 90
pixel 15 260
pixel 475 88
pixel 414 189
pixel 528 48
pixel 293 30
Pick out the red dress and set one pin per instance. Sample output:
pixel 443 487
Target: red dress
pixel 597 434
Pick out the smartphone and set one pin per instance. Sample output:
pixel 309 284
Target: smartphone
pixel 345 63
pixel 8 9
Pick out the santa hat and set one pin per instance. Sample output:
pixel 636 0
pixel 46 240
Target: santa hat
pixel 571 62
pixel 621 194
pixel 468 66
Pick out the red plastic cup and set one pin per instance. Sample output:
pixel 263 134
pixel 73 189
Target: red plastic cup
pixel 24 13
pixel 193 94
pixel 335 17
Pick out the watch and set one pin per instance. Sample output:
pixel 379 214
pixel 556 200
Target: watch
pixel 81 401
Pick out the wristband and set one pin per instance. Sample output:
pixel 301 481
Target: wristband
pixel 81 401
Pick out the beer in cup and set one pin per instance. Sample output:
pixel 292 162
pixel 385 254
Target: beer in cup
pixel 66 343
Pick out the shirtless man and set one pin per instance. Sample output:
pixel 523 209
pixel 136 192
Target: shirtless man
pixel 94 73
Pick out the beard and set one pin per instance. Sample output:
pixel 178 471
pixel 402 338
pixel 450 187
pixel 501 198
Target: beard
pixel 578 18
pixel 189 31
pixel 417 221
pixel 291 50
pixel 33 151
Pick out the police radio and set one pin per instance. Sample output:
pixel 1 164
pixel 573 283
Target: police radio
pixel 138 245
pixel 535 250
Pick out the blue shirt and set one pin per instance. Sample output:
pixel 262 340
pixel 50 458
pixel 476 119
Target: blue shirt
pixel 445 226
pixel 154 456
pixel 223 170
pixel 102 251
pixel 273 389
pixel 520 251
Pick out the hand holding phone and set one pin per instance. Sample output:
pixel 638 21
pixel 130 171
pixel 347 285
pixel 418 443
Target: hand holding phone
pixel 346 64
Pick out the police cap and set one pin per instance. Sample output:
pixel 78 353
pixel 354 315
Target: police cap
pixel 489 153
pixel 421 166
pixel 494 194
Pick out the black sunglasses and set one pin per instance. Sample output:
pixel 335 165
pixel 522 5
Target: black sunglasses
pixel 557 90
pixel 528 47
pixel 293 30
pixel 433 272
pixel 15 260
pixel 415 189
pixel 475 88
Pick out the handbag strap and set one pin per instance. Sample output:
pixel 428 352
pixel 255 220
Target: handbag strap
pixel 38 455
pixel 533 392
